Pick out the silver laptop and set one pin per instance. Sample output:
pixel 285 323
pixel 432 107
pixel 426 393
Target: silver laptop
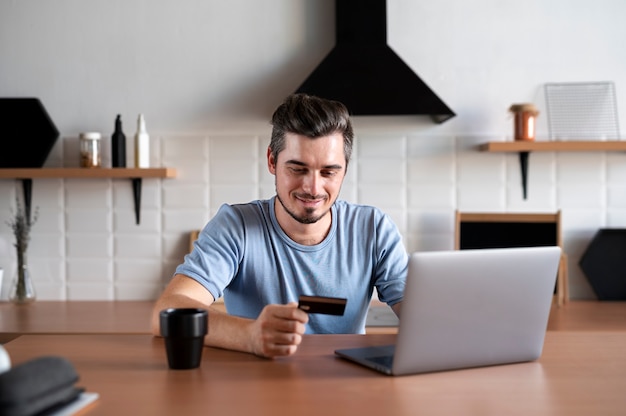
pixel 469 308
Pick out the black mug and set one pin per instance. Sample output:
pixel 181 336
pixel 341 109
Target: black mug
pixel 184 330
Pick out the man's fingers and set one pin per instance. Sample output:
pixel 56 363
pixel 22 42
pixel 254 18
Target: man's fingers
pixel 281 328
pixel 273 350
pixel 290 311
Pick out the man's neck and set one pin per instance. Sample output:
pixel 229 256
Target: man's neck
pixel 305 234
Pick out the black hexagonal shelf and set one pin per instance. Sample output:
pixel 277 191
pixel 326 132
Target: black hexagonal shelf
pixel 27 133
pixel 604 264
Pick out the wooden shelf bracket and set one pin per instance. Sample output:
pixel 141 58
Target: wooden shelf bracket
pixel 27 190
pixel 523 160
pixel 137 198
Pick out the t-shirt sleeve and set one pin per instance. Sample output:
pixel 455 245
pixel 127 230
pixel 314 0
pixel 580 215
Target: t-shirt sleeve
pixel 391 262
pixel 217 252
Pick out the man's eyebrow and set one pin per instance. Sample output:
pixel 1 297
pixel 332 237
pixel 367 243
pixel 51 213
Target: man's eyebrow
pixel 299 163
pixel 295 162
pixel 338 167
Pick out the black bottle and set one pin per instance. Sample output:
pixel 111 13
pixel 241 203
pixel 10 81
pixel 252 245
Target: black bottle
pixel 118 145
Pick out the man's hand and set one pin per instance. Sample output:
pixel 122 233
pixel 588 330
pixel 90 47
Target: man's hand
pixel 278 330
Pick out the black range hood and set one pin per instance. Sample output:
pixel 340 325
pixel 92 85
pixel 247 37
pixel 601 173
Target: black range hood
pixel 365 74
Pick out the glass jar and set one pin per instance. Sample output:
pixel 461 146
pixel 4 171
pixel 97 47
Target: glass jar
pixel 90 154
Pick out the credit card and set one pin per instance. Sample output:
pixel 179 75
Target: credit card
pixel 322 304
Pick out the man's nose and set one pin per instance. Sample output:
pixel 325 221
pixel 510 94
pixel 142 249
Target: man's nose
pixel 312 183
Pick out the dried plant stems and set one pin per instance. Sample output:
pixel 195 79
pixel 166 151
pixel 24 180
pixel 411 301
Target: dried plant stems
pixel 21 225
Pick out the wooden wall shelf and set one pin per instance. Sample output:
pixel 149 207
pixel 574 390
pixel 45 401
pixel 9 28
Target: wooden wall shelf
pixel 123 173
pixel 525 147
pixel 569 146
pixel 26 175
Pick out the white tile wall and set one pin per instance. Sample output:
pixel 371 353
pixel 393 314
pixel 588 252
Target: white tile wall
pixel 86 245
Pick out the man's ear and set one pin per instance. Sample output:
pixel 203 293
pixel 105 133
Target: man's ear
pixel 271 163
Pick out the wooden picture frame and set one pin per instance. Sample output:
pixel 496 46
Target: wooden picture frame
pixel 475 230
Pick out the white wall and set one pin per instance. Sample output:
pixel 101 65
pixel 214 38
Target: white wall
pixel 207 75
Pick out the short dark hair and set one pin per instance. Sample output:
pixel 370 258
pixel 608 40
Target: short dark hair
pixel 312 117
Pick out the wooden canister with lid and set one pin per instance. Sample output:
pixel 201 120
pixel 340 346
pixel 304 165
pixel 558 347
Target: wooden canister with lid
pixel 525 115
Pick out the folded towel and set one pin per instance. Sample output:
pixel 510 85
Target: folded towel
pixel 38 385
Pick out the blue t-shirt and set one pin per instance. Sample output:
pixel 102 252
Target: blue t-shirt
pixel 244 255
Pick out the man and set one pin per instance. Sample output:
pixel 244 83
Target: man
pixel 262 255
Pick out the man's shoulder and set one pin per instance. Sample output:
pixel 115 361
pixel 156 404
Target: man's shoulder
pixel 350 208
pixel 251 206
pixel 360 215
pixel 246 211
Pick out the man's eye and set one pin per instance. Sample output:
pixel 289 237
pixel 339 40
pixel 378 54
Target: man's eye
pixel 329 173
pixel 299 171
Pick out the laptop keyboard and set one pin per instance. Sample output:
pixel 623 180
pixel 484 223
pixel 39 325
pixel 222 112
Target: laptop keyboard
pixel 385 360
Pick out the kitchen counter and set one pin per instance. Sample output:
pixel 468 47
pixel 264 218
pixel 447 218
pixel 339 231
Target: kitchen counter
pixel 74 317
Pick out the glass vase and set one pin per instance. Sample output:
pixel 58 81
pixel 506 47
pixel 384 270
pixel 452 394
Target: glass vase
pixel 22 289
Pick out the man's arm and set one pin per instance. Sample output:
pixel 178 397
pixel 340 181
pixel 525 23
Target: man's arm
pixel 396 308
pixel 277 331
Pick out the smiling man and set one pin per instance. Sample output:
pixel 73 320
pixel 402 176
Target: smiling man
pixel 262 255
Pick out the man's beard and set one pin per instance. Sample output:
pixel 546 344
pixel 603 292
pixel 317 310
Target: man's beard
pixel 308 218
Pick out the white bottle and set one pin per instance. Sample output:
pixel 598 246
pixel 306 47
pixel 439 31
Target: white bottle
pixel 142 144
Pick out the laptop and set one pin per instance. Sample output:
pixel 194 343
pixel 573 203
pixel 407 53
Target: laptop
pixel 468 308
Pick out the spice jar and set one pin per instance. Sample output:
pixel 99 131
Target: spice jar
pixel 525 115
pixel 90 155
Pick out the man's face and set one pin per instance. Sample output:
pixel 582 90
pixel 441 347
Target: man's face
pixel 309 173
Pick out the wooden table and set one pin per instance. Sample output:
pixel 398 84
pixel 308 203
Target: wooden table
pixel 579 373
